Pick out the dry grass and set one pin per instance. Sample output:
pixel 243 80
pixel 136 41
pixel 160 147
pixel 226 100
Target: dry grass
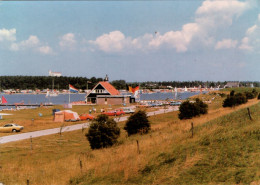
pixel 57 159
pixel 24 117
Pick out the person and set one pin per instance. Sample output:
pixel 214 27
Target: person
pixel 90 111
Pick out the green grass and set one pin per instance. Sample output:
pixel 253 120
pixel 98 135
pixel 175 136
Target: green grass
pixel 223 151
pixel 241 89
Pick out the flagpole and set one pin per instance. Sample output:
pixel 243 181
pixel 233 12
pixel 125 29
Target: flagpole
pixel 69 93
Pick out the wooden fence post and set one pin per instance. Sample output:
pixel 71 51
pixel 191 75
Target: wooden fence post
pixel 80 165
pixel 138 149
pixel 31 143
pixel 249 114
pixel 27 182
pixel 192 128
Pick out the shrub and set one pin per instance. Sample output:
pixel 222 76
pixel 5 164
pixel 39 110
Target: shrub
pixel 189 110
pixel 137 123
pixel 249 95
pixel 203 107
pixel 103 132
pixel 232 93
pixel 258 96
pixel 234 100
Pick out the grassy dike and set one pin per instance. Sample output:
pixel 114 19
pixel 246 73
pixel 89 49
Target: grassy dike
pixel 224 150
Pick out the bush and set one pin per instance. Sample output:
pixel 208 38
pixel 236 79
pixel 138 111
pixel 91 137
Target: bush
pixel 137 123
pixel 234 100
pixel 203 107
pixel 103 132
pixel 258 96
pixel 249 95
pixel 189 110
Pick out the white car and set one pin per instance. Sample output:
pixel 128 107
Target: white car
pixel 11 127
pixel 128 110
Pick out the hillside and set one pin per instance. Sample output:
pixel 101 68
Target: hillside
pixel 224 150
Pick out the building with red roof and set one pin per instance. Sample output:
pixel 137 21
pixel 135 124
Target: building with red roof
pixel 105 93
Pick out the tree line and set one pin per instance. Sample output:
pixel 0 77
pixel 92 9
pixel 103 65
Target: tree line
pixel 44 82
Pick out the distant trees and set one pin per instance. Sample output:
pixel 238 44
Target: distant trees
pixel 103 132
pixel 44 82
pixel 119 84
pixel 189 110
pixel 137 123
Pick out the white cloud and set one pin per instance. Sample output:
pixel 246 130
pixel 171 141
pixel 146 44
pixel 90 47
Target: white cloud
pixel 210 18
pixel 45 50
pixel 228 7
pixel 251 30
pixel 226 44
pixel 68 41
pixel 251 41
pixel 31 42
pixel 9 35
pixel 112 42
pixel 245 44
pixel 177 39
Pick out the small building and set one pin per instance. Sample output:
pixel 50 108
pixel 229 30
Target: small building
pixel 116 99
pixel 103 88
pixel 232 84
pixel 57 74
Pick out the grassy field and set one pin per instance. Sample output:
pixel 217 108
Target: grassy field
pixel 31 120
pixel 224 150
pixel 241 89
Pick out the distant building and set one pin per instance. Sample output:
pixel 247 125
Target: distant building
pixel 232 84
pixel 57 74
pixel 102 88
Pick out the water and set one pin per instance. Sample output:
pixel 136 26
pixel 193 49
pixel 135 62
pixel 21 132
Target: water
pixel 64 98
pixel 41 98
pixel 164 96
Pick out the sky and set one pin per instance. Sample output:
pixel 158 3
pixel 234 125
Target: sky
pixel 211 40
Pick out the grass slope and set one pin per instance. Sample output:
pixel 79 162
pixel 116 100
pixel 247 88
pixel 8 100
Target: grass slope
pixel 223 151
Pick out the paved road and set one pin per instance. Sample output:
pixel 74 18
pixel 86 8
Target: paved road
pixel 27 135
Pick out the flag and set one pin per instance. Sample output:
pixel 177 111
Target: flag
pixel 4 100
pixel 73 89
pixel 135 89
pixel 130 89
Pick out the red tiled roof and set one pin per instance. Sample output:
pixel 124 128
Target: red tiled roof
pixel 110 88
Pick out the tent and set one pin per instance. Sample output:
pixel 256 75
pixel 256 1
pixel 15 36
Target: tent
pixel 66 115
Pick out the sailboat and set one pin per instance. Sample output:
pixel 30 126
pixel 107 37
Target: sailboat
pixel 53 92
pixel 3 100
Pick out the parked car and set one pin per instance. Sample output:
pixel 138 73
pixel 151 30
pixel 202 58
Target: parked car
pixel 116 112
pixel 11 127
pixel 86 117
pixel 128 110
pixel 175 103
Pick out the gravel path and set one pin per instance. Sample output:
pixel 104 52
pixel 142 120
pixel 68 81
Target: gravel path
pixel 27 135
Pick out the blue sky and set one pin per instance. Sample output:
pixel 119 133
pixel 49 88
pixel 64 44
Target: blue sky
pixel 135 41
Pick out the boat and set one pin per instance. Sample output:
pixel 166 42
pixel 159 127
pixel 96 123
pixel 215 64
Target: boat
pixel 52 92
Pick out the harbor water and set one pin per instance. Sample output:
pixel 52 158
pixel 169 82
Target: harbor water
pixel 64 98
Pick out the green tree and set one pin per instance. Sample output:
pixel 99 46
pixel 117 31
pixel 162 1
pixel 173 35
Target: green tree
pixel 137 123
pixel 188 110
pixel 103 132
